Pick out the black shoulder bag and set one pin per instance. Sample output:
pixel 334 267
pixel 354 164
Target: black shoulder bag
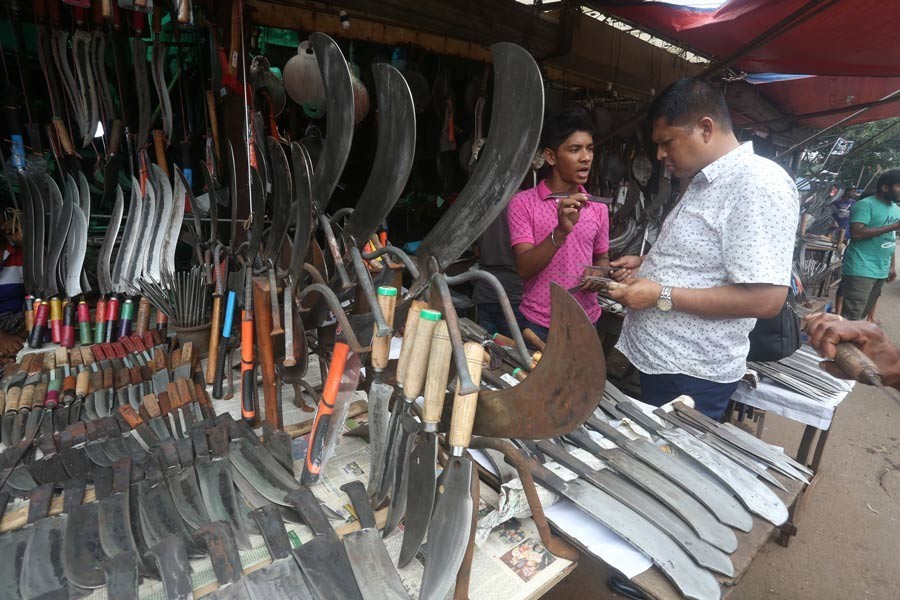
pixel 778 337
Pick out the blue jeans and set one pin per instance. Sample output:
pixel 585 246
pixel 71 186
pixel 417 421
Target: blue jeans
pixel 710 398
pixel 490 316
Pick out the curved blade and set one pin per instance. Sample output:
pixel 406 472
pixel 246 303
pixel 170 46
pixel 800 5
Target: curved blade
pixel 516 117
pixel 232 193
pixel 84 196
pixel 393 158
pixel 161 226
pixel 12 553
pixel 303 207
pixel 173 227
pixel 220 497
pixel 41 576
pixel 211 185
pixel 123 270
pixel 560 394
pixel 114 520
pixel 281 199
pixel 192 201
pixel 148 221
pixel 339 117
pixel 159 517
pixel 28 224
pixel 82 550
pixel 104 277
pixel 76 245
pixel 37 230
pixel 262 471
pixel 187 497
pixel 61 216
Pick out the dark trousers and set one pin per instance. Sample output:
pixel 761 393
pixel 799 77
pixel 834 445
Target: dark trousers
pixel 710 398
pixel 860 295
pixel 490 316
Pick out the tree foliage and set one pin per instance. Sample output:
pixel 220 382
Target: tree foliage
pixel 876 148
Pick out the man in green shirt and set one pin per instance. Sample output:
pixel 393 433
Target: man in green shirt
pixel 869 259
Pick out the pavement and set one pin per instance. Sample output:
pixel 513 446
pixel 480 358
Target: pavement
pixel 847 543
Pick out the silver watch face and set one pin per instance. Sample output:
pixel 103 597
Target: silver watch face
pixel 664 304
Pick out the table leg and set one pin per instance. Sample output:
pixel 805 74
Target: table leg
pixel 805 444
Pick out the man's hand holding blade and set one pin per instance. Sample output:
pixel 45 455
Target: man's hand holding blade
pixel 625 267
pixel 568 210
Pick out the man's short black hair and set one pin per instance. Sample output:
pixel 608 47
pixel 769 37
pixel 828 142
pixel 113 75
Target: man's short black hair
pixel 559 126
pixel 687 101
pixel 888 178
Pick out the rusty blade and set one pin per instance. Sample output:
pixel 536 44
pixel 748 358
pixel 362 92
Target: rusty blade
pixel 561 393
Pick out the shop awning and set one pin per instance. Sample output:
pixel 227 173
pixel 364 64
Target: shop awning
pixel 849 39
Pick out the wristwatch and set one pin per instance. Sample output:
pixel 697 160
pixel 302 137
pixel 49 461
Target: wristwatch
pixel 664 302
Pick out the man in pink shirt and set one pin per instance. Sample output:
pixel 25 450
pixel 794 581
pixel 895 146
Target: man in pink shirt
pixel 557 240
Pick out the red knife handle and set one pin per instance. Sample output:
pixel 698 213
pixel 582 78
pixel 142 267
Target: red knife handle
pixel 36 339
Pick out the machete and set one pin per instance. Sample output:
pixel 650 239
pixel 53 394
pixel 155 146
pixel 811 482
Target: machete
pixel 160 228
pixel 379 392
pixel 691 580
pixel 82 551
pixel 61 216
pixel 645 505
pixel 339 116
pixel 183 486
pixel 218 538
pixel 393 156
pixel 282 577
pixel 722 504
pixel 752 493
pixel 15 543
pixel 122 269
pixel 104 276
pixel 451 521
pixel 264 473
pixel 403 425
pixel 322 560
pixel 677 500
pixel 372 567
pixel 171 559
pixel 516 118
pixel 423 459
pixel 216 483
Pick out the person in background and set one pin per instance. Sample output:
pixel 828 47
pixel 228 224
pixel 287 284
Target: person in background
pixel 495 256
pixel 558 239
pixel 827 331
pixel 869 258
pixel 12 288
pixel 722 259
pixel 840 210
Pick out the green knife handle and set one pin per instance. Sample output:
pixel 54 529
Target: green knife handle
pixel 464 405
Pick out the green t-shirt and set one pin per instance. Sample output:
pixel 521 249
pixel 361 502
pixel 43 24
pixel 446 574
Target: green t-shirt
pixel 871 257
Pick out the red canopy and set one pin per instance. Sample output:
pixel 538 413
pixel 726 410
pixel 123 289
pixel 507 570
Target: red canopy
pixel 853 47
pixel 851 39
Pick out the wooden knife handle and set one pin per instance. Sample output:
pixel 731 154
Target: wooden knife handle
pixel 151 405
pixel 418 360
pixel 106 9
pixel 214 332
pixel 381 346
pixel 438 373
pixel 115 136
pixel 2 401
pixel 131 417
pixel 13 395
pixel 464 405
pixel 82 383
pixel 62 134
pixel 40 394
pixel 213 124
pixel 233 54
pixel 185 390
pixel 184 12
pixel 409 332
pixel 159 145
pixel 532 339
pixel 143 317
pixel 27 397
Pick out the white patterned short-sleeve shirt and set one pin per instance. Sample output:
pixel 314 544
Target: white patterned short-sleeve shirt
pixel 735 223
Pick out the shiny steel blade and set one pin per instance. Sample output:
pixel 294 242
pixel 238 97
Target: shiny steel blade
pixel 61 217
pixel 76 245
pixel 379 418
pixel 160 227
pixel 263 472
pixel 148 219
pixel 422 481
pixel 38 231
pixel 187 497
pixel 406 437
pixel 451 524
pixel 220 497
pixel 173 228
pixel 123 269
pixel 104 276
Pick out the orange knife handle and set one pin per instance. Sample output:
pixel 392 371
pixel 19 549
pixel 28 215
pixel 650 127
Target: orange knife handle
pixel 248 372
pixel 312 465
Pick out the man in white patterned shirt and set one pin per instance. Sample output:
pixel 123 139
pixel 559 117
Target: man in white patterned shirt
pixel 722 259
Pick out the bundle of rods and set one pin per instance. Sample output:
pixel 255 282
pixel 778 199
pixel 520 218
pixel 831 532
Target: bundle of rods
pixel 183 296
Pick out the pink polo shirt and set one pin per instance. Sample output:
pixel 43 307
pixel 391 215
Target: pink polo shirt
pixel 531 219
